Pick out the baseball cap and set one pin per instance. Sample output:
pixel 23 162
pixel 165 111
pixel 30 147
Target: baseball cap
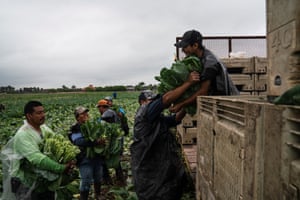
pixel 79 110
pixel 108 98
pixel 102 102
pixel 188 38
pixel 146 94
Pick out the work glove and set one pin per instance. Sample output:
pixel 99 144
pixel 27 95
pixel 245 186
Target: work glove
pixel 69 167
pixel 100 142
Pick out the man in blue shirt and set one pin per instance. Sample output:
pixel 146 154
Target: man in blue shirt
pixel 157 168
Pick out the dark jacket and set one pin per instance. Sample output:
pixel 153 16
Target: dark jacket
pixel 216 72
pixel 157 168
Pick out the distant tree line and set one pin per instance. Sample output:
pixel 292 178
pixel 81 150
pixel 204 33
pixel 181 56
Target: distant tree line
pixel 140 86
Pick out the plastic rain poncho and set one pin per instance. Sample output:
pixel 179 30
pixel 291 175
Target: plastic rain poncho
pixel 157 169
pixel 21 158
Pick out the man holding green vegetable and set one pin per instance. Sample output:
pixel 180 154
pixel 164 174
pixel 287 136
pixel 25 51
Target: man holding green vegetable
pixel 90 168
pixel 214 76
pixel 24 163
pixel 110 116
pixel 157 168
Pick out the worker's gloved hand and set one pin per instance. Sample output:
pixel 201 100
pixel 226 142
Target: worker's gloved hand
pixel 100 141
pixel 69 166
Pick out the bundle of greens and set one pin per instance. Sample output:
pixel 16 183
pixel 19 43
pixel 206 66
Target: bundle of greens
pixel 111 132
pixel 61 150
pixel 176 75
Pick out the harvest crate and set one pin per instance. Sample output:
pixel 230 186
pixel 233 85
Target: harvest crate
pixel 260 65
pixel 260 82
pixel 248 74
pixel 239 65
pixel 189 121
pixel 244 82
pixel 254 147
pixel 248 93
pixel 188 135
pixel 232 145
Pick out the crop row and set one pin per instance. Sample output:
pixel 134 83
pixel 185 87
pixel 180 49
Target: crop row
pixel 59 109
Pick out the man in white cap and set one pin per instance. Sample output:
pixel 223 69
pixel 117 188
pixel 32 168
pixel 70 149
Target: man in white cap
pixel 90 168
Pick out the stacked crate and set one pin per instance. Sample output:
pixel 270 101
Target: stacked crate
pixel 248 74
pixel 247 148
pixel 260 75
pixel 188 129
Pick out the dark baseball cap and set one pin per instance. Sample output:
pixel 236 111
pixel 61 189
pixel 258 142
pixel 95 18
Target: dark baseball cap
pixel 146 94
pixel 188 38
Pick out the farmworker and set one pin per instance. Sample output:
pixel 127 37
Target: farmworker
pixel 121 114
pixel 158 170
pixel 114 94
pixel 110 116
pixel 90 169
pixel 2 107
pixel 214 76
pixel 22 159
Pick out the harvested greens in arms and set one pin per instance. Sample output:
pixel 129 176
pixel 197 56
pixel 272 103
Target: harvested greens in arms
pixel 60 149
pixel 177 74
pixel 111 132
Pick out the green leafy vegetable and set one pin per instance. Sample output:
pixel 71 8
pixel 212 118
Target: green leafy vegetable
pixel 111 132
pixel 289 97
pixel 61 150
pixel 176 75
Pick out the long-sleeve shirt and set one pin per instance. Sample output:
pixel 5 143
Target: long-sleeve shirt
pixel 25 155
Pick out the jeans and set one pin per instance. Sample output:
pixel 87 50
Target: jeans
pixel 91 171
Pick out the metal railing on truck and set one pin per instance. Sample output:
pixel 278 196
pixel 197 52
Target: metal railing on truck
pixel 224 46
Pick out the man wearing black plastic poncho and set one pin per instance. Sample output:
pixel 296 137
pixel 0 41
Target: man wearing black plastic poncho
pixel 157 168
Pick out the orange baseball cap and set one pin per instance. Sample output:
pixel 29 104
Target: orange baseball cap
pixel 102 102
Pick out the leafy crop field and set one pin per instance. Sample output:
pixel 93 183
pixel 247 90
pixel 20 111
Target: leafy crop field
pixel 59 109
pixel 59 116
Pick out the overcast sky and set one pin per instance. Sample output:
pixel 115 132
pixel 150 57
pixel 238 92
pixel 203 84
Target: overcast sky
pixel 50 43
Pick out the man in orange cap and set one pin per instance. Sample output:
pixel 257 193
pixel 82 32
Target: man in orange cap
pixel 107 114
pixel 110 116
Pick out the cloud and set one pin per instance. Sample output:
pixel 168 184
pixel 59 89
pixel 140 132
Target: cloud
pixel 51 43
